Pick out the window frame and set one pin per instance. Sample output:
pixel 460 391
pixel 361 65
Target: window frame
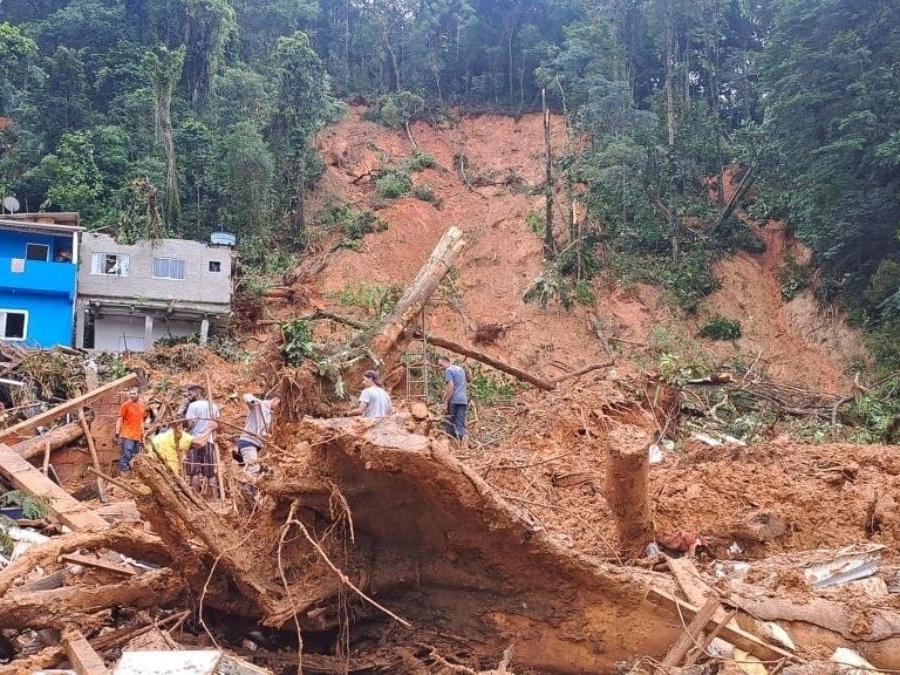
pixel 46 257
pixel 169 260
pixel 99 269
pixel 218 265
pixel 4 312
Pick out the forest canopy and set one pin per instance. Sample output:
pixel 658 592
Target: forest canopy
pixel 181 117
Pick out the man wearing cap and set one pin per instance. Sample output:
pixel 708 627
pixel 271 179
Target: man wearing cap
pixel 201 418
pixel 130 429
pixel 374 401
pixel 256 429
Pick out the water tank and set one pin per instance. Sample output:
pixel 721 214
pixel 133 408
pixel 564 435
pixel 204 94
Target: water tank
pixel 222 239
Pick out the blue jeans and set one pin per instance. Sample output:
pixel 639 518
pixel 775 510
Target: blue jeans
pixel 130 449
pixel 456 420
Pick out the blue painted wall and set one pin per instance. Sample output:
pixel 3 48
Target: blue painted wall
pixel 46 290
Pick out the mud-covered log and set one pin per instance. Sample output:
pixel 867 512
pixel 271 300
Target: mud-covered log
pixel 58 438
pixel 73 605
pixel 627 488
pixel 382 340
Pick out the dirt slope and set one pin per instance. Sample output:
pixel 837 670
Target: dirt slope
pixel 504 156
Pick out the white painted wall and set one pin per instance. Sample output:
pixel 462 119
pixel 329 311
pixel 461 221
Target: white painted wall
pixel 109 332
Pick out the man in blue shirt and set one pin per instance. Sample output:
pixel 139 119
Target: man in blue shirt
pixel 456 399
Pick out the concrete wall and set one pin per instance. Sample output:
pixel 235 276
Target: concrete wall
pixel 108 332
pixel 200 285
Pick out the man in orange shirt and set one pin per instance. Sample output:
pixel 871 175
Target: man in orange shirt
pixel 130 429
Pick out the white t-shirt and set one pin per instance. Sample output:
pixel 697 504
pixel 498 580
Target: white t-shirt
pixel 378 403
pixel 199 414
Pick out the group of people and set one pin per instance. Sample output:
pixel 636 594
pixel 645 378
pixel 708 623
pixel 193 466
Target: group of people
pixel 374 400
pixel 188 444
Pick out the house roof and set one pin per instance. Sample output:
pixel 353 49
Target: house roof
pixel 49 223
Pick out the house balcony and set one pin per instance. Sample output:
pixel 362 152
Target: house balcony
pixel 38 276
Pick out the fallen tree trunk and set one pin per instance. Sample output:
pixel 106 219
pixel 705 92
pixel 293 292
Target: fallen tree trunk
pixel 457 348
pixel 73 605
pixel 382 340
pixel 58 438
pixel 627 488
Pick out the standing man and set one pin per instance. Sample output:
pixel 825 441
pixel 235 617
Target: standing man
pixel 256 429
pixel 201 418
pixel 130 429
pixel 456 400
pixel 374 401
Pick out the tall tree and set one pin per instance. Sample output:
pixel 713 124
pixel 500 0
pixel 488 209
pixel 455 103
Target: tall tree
pixel 164 71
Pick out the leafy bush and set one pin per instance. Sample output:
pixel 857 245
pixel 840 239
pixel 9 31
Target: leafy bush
pixel 793 277
pixel 488 388
pixel 692 281
pixel 419 161
pixel 720 328
pixel 378 298
pixel 354 223
pixel 393 183
pixel 298 344
pixel 535 223
pixel 425 193
pixel 32 507
pixel 397 109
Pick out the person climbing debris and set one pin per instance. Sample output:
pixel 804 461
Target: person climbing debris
pixel 172 444
pixel 256 428
pixel 456 399
pixel 130 429
pixel 374 401
pixel 201 418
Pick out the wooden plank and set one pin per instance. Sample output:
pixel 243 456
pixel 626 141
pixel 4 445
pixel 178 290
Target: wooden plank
pixel 690 635
pixel 31 481
pixel 736 636
pixel 101 491
pixel 22 430
pixel 99 563
pixel 84 660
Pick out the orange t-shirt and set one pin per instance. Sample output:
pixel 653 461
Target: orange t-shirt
pixel 132 415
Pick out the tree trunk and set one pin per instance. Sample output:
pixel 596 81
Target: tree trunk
pixel 58 438
pixel 549 243
pixel 382 340
pixel 670 73
pixel 627 489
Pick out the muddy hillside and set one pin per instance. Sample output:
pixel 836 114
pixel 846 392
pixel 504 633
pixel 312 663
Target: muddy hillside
pixel 602 517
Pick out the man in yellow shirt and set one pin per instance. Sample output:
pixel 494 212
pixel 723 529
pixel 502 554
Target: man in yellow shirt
pixel 172 444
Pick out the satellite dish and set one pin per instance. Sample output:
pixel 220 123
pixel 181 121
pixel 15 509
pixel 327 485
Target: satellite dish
pixel 11 204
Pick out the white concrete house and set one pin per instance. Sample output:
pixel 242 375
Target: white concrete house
pixel 130 296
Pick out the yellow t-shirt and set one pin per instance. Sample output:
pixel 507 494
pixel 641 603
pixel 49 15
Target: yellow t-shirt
pixel 164 446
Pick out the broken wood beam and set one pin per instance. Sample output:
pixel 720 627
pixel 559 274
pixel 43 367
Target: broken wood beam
pixel 690 636
pixel 736 636
pixel 32 482
pixel 583 371
pixel 84 660
pixel 481 357
pixel 22 430
pixel 82 420
pixel 627 488
pixel 383 338
pixel 58 437
pixel 99 563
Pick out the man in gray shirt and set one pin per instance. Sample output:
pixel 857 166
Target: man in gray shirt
pixel 456 399
pixel 201 416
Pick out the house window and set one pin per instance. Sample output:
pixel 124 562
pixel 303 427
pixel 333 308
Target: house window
pixel 215 266
pixel 37 252
pixel 13 324
pixel 168 268
pixel 115 264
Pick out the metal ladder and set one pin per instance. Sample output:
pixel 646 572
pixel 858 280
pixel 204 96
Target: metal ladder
pixel 415 359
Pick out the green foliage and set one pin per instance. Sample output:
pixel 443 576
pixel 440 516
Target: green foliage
pixel 720 328
pixel 377 298
pixel 419 161
pixel 883 283
pixel 793 276
pixel 297 345
pixel 393 183
pixel 74 181
pixel 584 293
pixel 549 287
pixel 32 507
pixel 424 192
pixel 535 223
pixel 488 387
pixel 353 222
pixel 398 109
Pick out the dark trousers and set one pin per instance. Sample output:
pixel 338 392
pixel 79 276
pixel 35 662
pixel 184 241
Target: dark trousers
pixel 456 420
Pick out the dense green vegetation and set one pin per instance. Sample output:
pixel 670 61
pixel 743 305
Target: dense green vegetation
pixel 182 117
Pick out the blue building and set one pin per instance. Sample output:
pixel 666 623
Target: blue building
pixel 38 277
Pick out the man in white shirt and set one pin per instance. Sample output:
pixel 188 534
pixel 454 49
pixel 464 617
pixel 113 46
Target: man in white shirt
pixel 201 417
pixel 374 401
